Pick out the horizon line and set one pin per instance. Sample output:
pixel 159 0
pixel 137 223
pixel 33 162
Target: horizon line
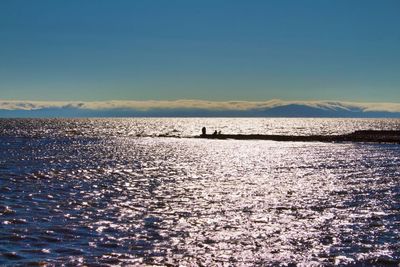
pixel 195 104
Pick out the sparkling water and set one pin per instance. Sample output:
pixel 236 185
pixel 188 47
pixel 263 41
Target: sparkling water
pixel 109 192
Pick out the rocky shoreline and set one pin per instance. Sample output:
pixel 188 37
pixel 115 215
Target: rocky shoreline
pixel 370 136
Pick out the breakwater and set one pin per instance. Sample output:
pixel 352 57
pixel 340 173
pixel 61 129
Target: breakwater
pixel 372 136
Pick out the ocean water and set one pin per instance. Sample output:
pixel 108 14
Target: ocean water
pixel 110 192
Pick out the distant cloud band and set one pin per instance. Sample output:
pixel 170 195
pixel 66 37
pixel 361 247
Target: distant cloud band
pixel 196 104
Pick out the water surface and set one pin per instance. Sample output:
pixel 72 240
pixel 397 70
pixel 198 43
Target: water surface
pixel 88 192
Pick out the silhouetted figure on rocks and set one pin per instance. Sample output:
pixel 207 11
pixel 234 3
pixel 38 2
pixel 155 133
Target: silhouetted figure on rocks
pixel 203 131
pixel 215 132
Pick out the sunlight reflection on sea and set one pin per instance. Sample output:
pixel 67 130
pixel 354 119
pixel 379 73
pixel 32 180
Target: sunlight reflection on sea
pixel 113 199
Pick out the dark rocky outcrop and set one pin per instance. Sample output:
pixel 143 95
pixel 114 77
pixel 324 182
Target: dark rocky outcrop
pixel 373 136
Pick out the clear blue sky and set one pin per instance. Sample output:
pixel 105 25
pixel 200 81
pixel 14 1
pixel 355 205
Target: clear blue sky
pixel 205 49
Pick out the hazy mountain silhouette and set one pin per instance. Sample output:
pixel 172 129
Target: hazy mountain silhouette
pixel 290 110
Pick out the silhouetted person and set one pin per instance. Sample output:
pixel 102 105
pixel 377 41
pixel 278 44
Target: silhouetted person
pixel 203 131
pixel 215 132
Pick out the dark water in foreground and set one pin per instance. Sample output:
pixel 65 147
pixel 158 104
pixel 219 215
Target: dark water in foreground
pixel 114 199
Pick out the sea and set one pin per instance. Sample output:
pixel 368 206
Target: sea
pixel 144 192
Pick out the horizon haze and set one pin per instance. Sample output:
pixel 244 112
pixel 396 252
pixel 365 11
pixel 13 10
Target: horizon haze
pixel 197 108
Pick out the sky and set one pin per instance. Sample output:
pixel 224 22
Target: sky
pixel 219 50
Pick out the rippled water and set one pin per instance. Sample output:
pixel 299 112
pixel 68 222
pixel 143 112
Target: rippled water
pixel 93 192
pixel 184 127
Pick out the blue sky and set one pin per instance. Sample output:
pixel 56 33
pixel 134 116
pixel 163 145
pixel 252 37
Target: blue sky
pixel 82 50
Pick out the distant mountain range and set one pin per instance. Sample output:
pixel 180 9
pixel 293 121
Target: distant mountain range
pixel 198 108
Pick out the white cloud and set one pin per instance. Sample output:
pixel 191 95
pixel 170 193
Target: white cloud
pixel 195 104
